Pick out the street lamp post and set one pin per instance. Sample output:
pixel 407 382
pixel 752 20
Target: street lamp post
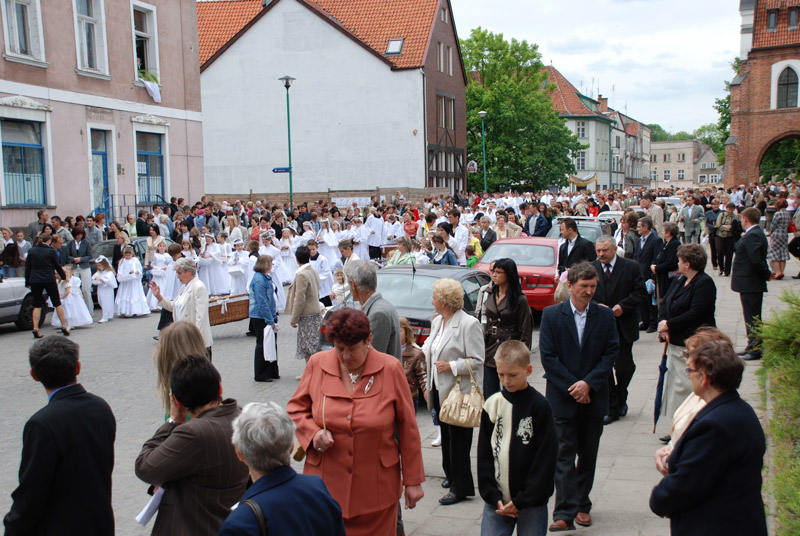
pixel 287 83
pixel 482 113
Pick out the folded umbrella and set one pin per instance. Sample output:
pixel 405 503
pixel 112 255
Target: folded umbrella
pixel 662 372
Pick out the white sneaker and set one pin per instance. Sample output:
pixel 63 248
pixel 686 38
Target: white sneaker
pixel 438 441
pixel 102 321
pixel 298 378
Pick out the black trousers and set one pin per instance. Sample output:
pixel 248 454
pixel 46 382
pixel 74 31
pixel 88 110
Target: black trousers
pixel 491 382
pixel 456 444
pixel 725 247
pixel 262 370
pixel 751 307
pixel 326 301
pixel 374 252
pixel 794 247
pixel 712 245
pixel 577 436
pixel 51 288
pixel 624 367
pixel 165 319
pixel 648 314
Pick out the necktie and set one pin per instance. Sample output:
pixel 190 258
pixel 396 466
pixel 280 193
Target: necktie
pixel 608 271
pixel 621 240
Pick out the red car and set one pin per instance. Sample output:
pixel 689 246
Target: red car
pixel 537 265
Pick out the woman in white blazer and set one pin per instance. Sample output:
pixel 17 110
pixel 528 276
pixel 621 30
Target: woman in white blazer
pixel 191 303
pixel 456 339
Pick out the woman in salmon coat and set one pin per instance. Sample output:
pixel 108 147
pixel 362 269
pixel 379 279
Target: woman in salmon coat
pixel 349 403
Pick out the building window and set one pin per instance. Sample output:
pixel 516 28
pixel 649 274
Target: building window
pixel 617 142
pixel 681 174
pixel 145 41
pixel 794 15
pixel 702 179
pixel 23 163
pixel 24 37
pixel 451 113
pixel 667 175
pixel 772 20
pixel 703 165
pixel 580 129
pixel 99 139
pixel 667 158
pixel 395 46
pixel 450 61
pixel 682 157
pixel 440 112
pixel 713 179
pixel 712 165
pixel 443 15
pixel 149 168
pixel 787 88
pixel 654 174
pixel 580 161
pixel 90 35
pixel 451 162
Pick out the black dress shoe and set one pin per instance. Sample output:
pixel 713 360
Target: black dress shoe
pixel 608 419
pixel 446 484
pixel 642 327
pixel 652 329
pixel 666 439
pixel 451 498
pixel 751 356
pixel 624 411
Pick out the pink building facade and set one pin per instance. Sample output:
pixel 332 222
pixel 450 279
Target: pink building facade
pixel 80 130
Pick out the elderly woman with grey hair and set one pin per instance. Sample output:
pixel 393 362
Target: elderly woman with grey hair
pixel 191 303
pixel 280 501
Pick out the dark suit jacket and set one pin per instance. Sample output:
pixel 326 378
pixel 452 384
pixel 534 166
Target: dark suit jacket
pixel 41 265
pixel 65 473
pixel 198 467
pixel 686 308
pixel 488 239
pixel 645 255
pixel 582 251
pixel 625 287
pixel 142 228
pixel 292 504
pixel 714 481
pixel 750 270
pixel 84 252
pixel 542 226
pixel 666 262
pixel 566 362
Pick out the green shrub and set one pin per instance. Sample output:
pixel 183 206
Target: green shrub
pixel 781 351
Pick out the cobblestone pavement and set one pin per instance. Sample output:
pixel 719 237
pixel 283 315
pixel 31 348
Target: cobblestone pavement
pixel 117 365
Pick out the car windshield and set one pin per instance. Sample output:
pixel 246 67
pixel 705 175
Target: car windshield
pixel 590 232
pixel 522 254
pixel 103 248
pixel 406 289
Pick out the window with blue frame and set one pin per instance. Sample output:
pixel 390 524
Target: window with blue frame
pixel 23 163
pixel 149 167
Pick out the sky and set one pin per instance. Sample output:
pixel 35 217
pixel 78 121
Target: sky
pixel 666 60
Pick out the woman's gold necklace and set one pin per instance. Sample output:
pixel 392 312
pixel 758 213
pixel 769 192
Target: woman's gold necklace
pixel 354 376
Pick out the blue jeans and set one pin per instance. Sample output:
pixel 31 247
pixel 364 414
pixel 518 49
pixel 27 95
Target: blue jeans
pixel 8 271
pixel 531 522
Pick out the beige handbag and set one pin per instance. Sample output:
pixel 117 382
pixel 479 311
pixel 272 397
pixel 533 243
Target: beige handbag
pixel 463 410
pixel 299 451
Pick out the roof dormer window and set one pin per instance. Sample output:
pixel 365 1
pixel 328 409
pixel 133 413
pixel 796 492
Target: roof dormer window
pixel 395 46
pixel 772 20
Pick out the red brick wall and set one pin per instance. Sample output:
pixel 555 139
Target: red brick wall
pixel 757 126
pixel 453 86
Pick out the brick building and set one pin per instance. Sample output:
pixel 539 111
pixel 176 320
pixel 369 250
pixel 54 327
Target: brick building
pixel 764 95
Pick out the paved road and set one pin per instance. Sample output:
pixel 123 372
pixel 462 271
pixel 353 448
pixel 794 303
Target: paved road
pixel 117 365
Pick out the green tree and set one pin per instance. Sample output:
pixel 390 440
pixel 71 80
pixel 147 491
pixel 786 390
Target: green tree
pixel 657 133
pixel 711 135
pixel 723 108
pixel 781 159
pixel 527 144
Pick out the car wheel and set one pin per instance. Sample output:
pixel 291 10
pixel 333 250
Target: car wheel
pixel 25 319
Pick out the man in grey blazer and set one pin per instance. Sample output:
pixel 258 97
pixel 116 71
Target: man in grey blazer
pixel 692 214
pixel 35 227
pixel 194 461
pixel 383 318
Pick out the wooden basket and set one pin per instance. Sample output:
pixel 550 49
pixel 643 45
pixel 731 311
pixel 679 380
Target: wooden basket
pixel 225 309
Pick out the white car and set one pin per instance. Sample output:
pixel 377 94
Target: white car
pixel 16 303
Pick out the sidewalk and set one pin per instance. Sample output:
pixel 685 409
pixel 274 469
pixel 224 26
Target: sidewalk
pixel 625 468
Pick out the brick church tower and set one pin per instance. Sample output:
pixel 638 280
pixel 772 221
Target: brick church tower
pixel 764 96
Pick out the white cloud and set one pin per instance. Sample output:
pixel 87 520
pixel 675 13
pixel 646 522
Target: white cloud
pixel 667 59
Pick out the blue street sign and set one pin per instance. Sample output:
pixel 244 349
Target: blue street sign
pixel 280 170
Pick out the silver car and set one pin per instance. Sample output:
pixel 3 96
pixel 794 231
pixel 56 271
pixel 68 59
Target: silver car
pixel 16 303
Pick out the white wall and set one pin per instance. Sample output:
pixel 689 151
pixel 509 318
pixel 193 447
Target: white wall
pixel 352 118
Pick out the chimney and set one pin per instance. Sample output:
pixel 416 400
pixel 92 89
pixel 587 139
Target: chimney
pixel 603 107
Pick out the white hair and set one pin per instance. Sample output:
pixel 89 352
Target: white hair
pixel 264 436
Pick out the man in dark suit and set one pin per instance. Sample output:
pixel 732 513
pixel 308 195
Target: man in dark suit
pixel 575 248
pixel 61 250
pixel 578 343
pixel 200 487
pixel 621 288
pixel 750 275
pixel 142 229
pixel 647 247
pixel 67 452
pixel 79 253
pixel 488 236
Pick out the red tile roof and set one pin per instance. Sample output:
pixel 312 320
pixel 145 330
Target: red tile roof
pixel 565 97
pixel 782 36
pixel 371 22
pixel 219 21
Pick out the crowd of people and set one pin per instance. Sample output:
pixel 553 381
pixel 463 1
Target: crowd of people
pixel 352 417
